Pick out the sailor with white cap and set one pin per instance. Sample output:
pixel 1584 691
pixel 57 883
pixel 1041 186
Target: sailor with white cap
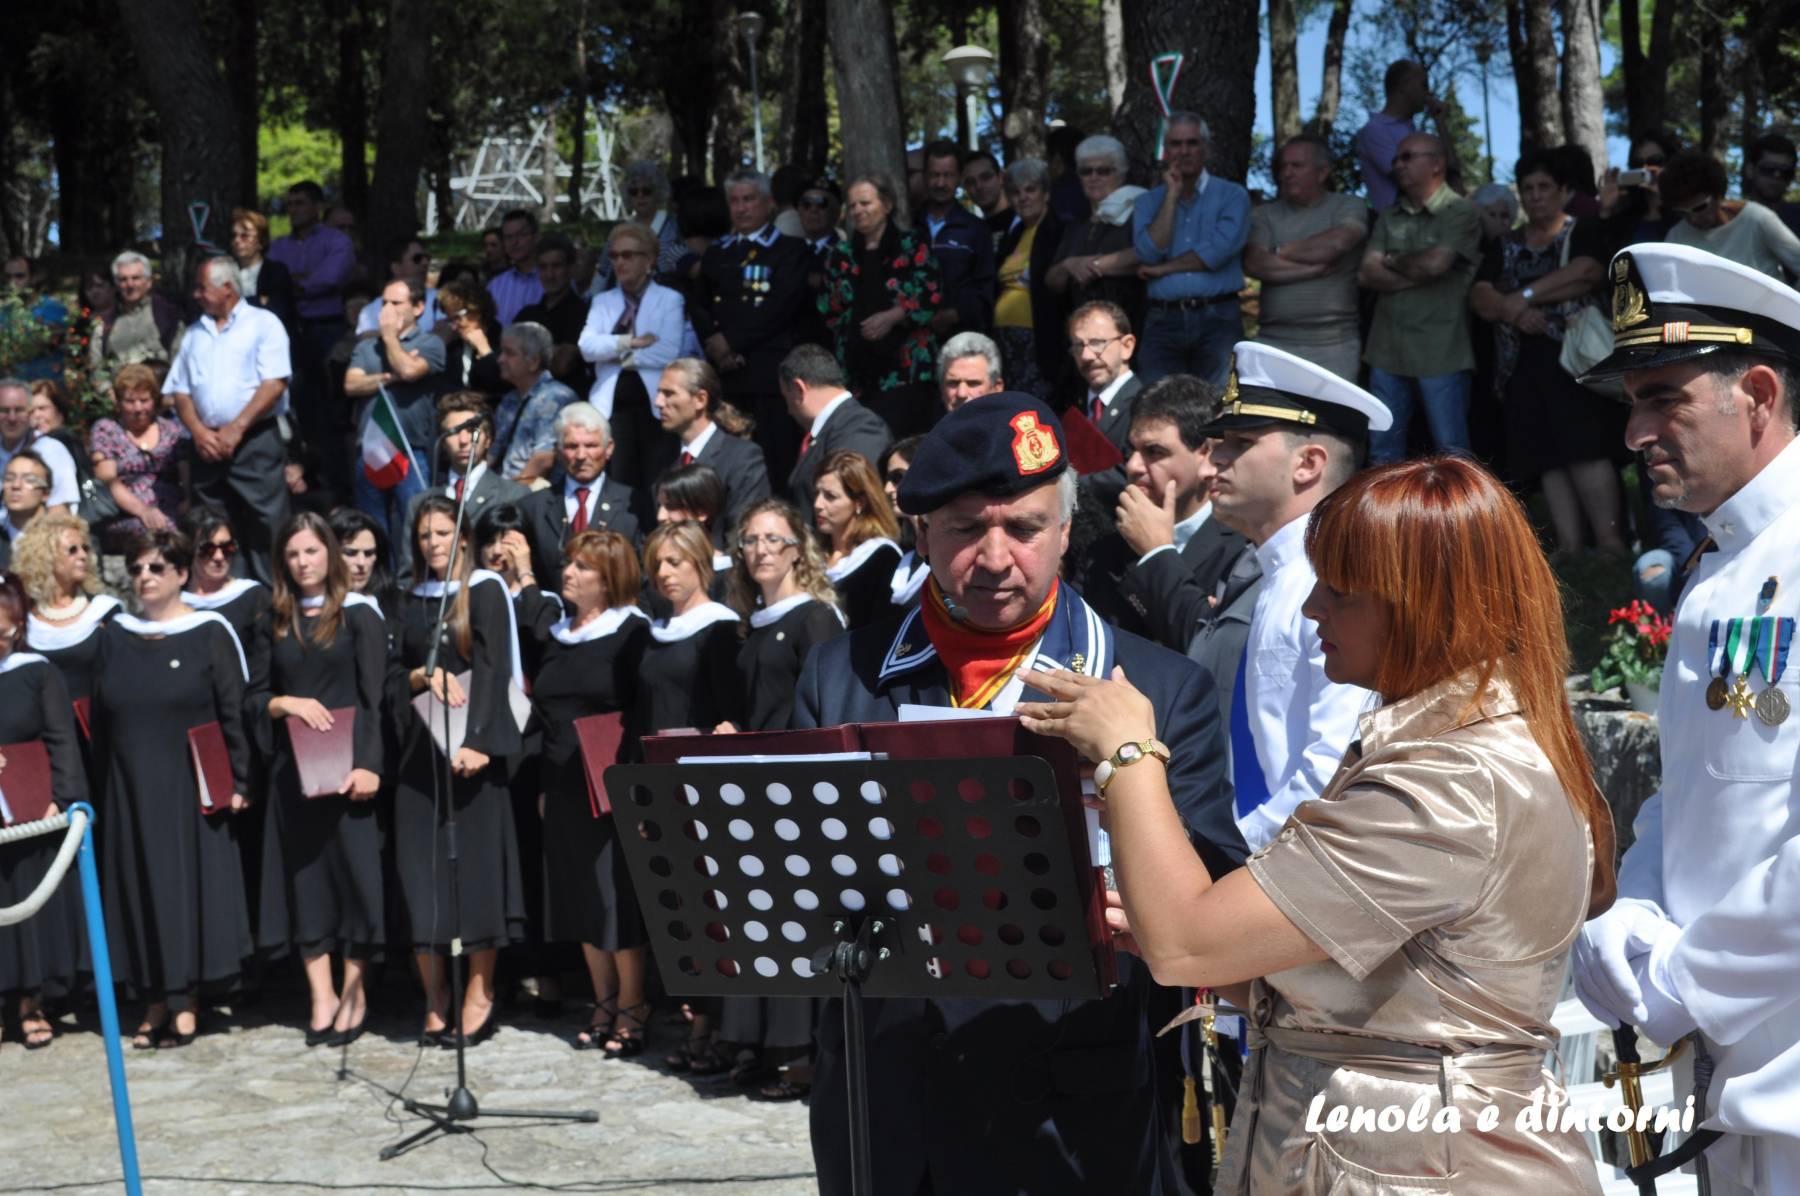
pixel 1289 433
pixel 1705 935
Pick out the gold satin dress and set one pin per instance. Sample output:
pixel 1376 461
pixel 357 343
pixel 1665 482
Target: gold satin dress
pixel 1446 874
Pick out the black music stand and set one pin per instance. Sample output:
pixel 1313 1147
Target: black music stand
pixel 894 878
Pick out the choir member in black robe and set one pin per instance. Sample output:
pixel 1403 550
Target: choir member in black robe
pixel 170 874
pixel 590 665
pixel 910 574
pixel 688 679
pixel 54 560
pixel 42 953
pixel 321 651
pixel 483 904
pixel 857 531
pixel 779 584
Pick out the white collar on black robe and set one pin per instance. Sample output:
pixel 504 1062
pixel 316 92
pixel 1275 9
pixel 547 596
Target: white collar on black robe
pixel 856 557
pixel 220 596
pixel 187 622
pixel 601 626
pixel 54 637
pixel 680 627
pixel 909 579
pixel 770 614
pixel 351 598
pixel 19 659
pixel 432 588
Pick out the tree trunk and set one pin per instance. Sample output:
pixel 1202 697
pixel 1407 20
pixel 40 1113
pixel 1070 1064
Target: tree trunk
pixel 246 91
pixel 1112 34
pixel 805 138
pixel 401 114
pixel 867 74
pixel 1024 71
pixel 578 117
pixel 198 121
pixel 728 138
pixel 1218 78
pixel 352 108
pixel 1533 44
pixel 1583 106
pixel 1713 95
pixel 1331 79
pixel 1284 70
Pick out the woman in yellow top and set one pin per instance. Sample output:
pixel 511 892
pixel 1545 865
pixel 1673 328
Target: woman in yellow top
pixel 1027 320
pixel 1406 935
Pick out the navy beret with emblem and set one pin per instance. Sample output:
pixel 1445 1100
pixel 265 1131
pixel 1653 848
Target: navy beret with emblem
pixel 999 445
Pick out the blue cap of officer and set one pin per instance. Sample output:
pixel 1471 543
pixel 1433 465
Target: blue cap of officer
pixel 999 445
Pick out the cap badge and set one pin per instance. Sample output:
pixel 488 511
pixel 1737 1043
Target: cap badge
pixel 1231 387
pixel 1629 303
pixel 1034 447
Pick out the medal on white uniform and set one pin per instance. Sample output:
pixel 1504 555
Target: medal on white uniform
pixel 1740 649
pixel 1716 666
pixel 1772 705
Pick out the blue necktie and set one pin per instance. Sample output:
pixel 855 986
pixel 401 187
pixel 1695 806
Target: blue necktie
pixel 1246 774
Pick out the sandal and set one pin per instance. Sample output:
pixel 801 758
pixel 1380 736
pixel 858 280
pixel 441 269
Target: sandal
pixel 628 1041
pixel 37 1030
pixel 782 1090
pixel 597 1033
pixel 148 1033
pixel 709 1059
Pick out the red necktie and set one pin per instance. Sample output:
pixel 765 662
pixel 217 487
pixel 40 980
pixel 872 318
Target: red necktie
pixel 687 458
pixel 459 484
pixel 578 524
pixel 1096 409
pixel 805 443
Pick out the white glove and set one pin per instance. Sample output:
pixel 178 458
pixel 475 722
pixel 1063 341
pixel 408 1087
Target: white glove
pixel 1604 977
pixel 1666 1018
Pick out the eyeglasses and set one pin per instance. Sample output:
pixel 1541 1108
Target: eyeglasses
pixel 896 476
pixel 1653 160
pixel 771 542
pixel 625 255
pixel 1767 170
pixel 28 481
pixel 640 190
pixel 416 258
pixel 77 549
pixel 1409 155
pixel 225 548
pixel 1093 344
pixel 1090 171
pixel 1695 208
pixel 153 568
pixel 21 275
pixel 815 201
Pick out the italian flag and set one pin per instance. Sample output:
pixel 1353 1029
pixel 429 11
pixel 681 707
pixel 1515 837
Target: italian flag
pixel 386 457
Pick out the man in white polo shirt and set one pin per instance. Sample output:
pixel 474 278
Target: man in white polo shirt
pixel 229 382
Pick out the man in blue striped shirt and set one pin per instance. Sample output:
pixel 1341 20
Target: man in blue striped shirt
pixel 1190 234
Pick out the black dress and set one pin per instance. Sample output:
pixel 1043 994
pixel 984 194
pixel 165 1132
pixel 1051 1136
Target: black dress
pixel 535 611
pixel 321 865
pixel 864 581
pixel 588 896
pixel 689 676
pixel 771 654
pixel 45 951
pixel 170 875
pixel 492 902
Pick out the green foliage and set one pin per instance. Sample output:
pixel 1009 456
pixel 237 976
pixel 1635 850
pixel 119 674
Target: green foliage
pixel 288 151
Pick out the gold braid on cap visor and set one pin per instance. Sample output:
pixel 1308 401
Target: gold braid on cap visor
pixel 1290 415
pixel 1682 333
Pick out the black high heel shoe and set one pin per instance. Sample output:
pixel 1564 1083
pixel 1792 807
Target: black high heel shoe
pixel 487 1030
pixel 343 1038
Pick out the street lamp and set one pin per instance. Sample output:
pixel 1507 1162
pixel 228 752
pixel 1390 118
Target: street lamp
pixel 750 24
pixel 1484 50
pixel 969 67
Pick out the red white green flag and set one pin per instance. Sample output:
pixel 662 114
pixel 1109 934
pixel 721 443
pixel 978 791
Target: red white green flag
pixel 386 457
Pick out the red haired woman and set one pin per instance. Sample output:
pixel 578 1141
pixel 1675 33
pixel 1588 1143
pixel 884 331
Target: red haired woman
pixel 1407 934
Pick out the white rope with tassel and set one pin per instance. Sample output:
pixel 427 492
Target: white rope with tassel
pixel 59 867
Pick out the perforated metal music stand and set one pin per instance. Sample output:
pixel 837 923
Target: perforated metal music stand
pixel 894 878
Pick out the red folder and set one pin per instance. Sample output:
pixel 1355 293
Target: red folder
pixel 1089 449
pixel 212 768
pixel 82 717
pixel 25 783
pixel 599 736
pixel 324 758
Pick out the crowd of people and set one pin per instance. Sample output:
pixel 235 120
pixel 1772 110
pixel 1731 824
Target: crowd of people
pixel 703 476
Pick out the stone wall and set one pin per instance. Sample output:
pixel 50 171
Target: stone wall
pixel 1624 747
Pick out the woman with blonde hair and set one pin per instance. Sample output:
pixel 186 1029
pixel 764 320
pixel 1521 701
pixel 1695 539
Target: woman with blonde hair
pixel 1406 935
pixel 858 531
pixel 778 585
pixel 591 664
pixel 477 666
pixel 321 655
pixel 54 560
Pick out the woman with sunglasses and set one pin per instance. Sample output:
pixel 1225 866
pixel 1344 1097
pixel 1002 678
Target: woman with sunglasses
pixel 243 601
pixel 321 657
pixel 478 668
pixel 910 574
pixel 647 195
pixel 170 874
pixel 471 337
pixel 1095 259
pixel 54 559
pixel 1693 187
pixel 43 953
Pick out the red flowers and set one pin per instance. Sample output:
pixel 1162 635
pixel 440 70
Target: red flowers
pixel 1637 649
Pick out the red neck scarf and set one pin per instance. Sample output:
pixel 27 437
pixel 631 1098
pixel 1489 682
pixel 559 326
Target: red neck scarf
pixel 980 663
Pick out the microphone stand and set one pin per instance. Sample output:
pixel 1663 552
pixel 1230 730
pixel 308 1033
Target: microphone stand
pixel 460 1106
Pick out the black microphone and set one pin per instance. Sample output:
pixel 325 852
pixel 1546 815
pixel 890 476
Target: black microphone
pixel 474 421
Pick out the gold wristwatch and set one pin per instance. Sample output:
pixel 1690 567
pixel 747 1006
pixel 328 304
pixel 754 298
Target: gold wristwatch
pixel 1129 753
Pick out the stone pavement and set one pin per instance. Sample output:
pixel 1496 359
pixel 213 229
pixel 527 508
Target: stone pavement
pixel 248 1109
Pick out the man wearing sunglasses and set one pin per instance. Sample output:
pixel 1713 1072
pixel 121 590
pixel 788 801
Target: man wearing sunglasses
pixel 1742 231
pixel 1769 176
pixel 407 262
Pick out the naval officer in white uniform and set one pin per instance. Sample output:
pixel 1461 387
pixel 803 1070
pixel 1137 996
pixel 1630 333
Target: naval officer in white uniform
pixel 1706 933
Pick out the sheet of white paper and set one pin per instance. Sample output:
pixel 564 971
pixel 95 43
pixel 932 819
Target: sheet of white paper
pixel 815 758
pixel 916 712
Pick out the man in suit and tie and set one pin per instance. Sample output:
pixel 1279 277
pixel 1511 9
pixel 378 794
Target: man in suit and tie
pixel 818 398
pixel 983 1096
pixel 689 394
pixel 1153 575
pixel 580 496
pixel 745 305
pixel 1101 341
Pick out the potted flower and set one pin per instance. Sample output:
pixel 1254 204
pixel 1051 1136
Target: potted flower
pixel 1634 655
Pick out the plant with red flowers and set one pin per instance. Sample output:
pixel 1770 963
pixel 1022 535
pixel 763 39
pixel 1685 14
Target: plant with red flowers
pixel 1636 650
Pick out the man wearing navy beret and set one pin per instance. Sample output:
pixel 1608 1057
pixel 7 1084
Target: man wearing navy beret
pixel 970 1096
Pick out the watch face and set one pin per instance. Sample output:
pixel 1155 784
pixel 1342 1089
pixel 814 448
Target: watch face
pixel 1130 751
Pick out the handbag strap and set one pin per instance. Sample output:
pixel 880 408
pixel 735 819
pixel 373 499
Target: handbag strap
pixel 1568 235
